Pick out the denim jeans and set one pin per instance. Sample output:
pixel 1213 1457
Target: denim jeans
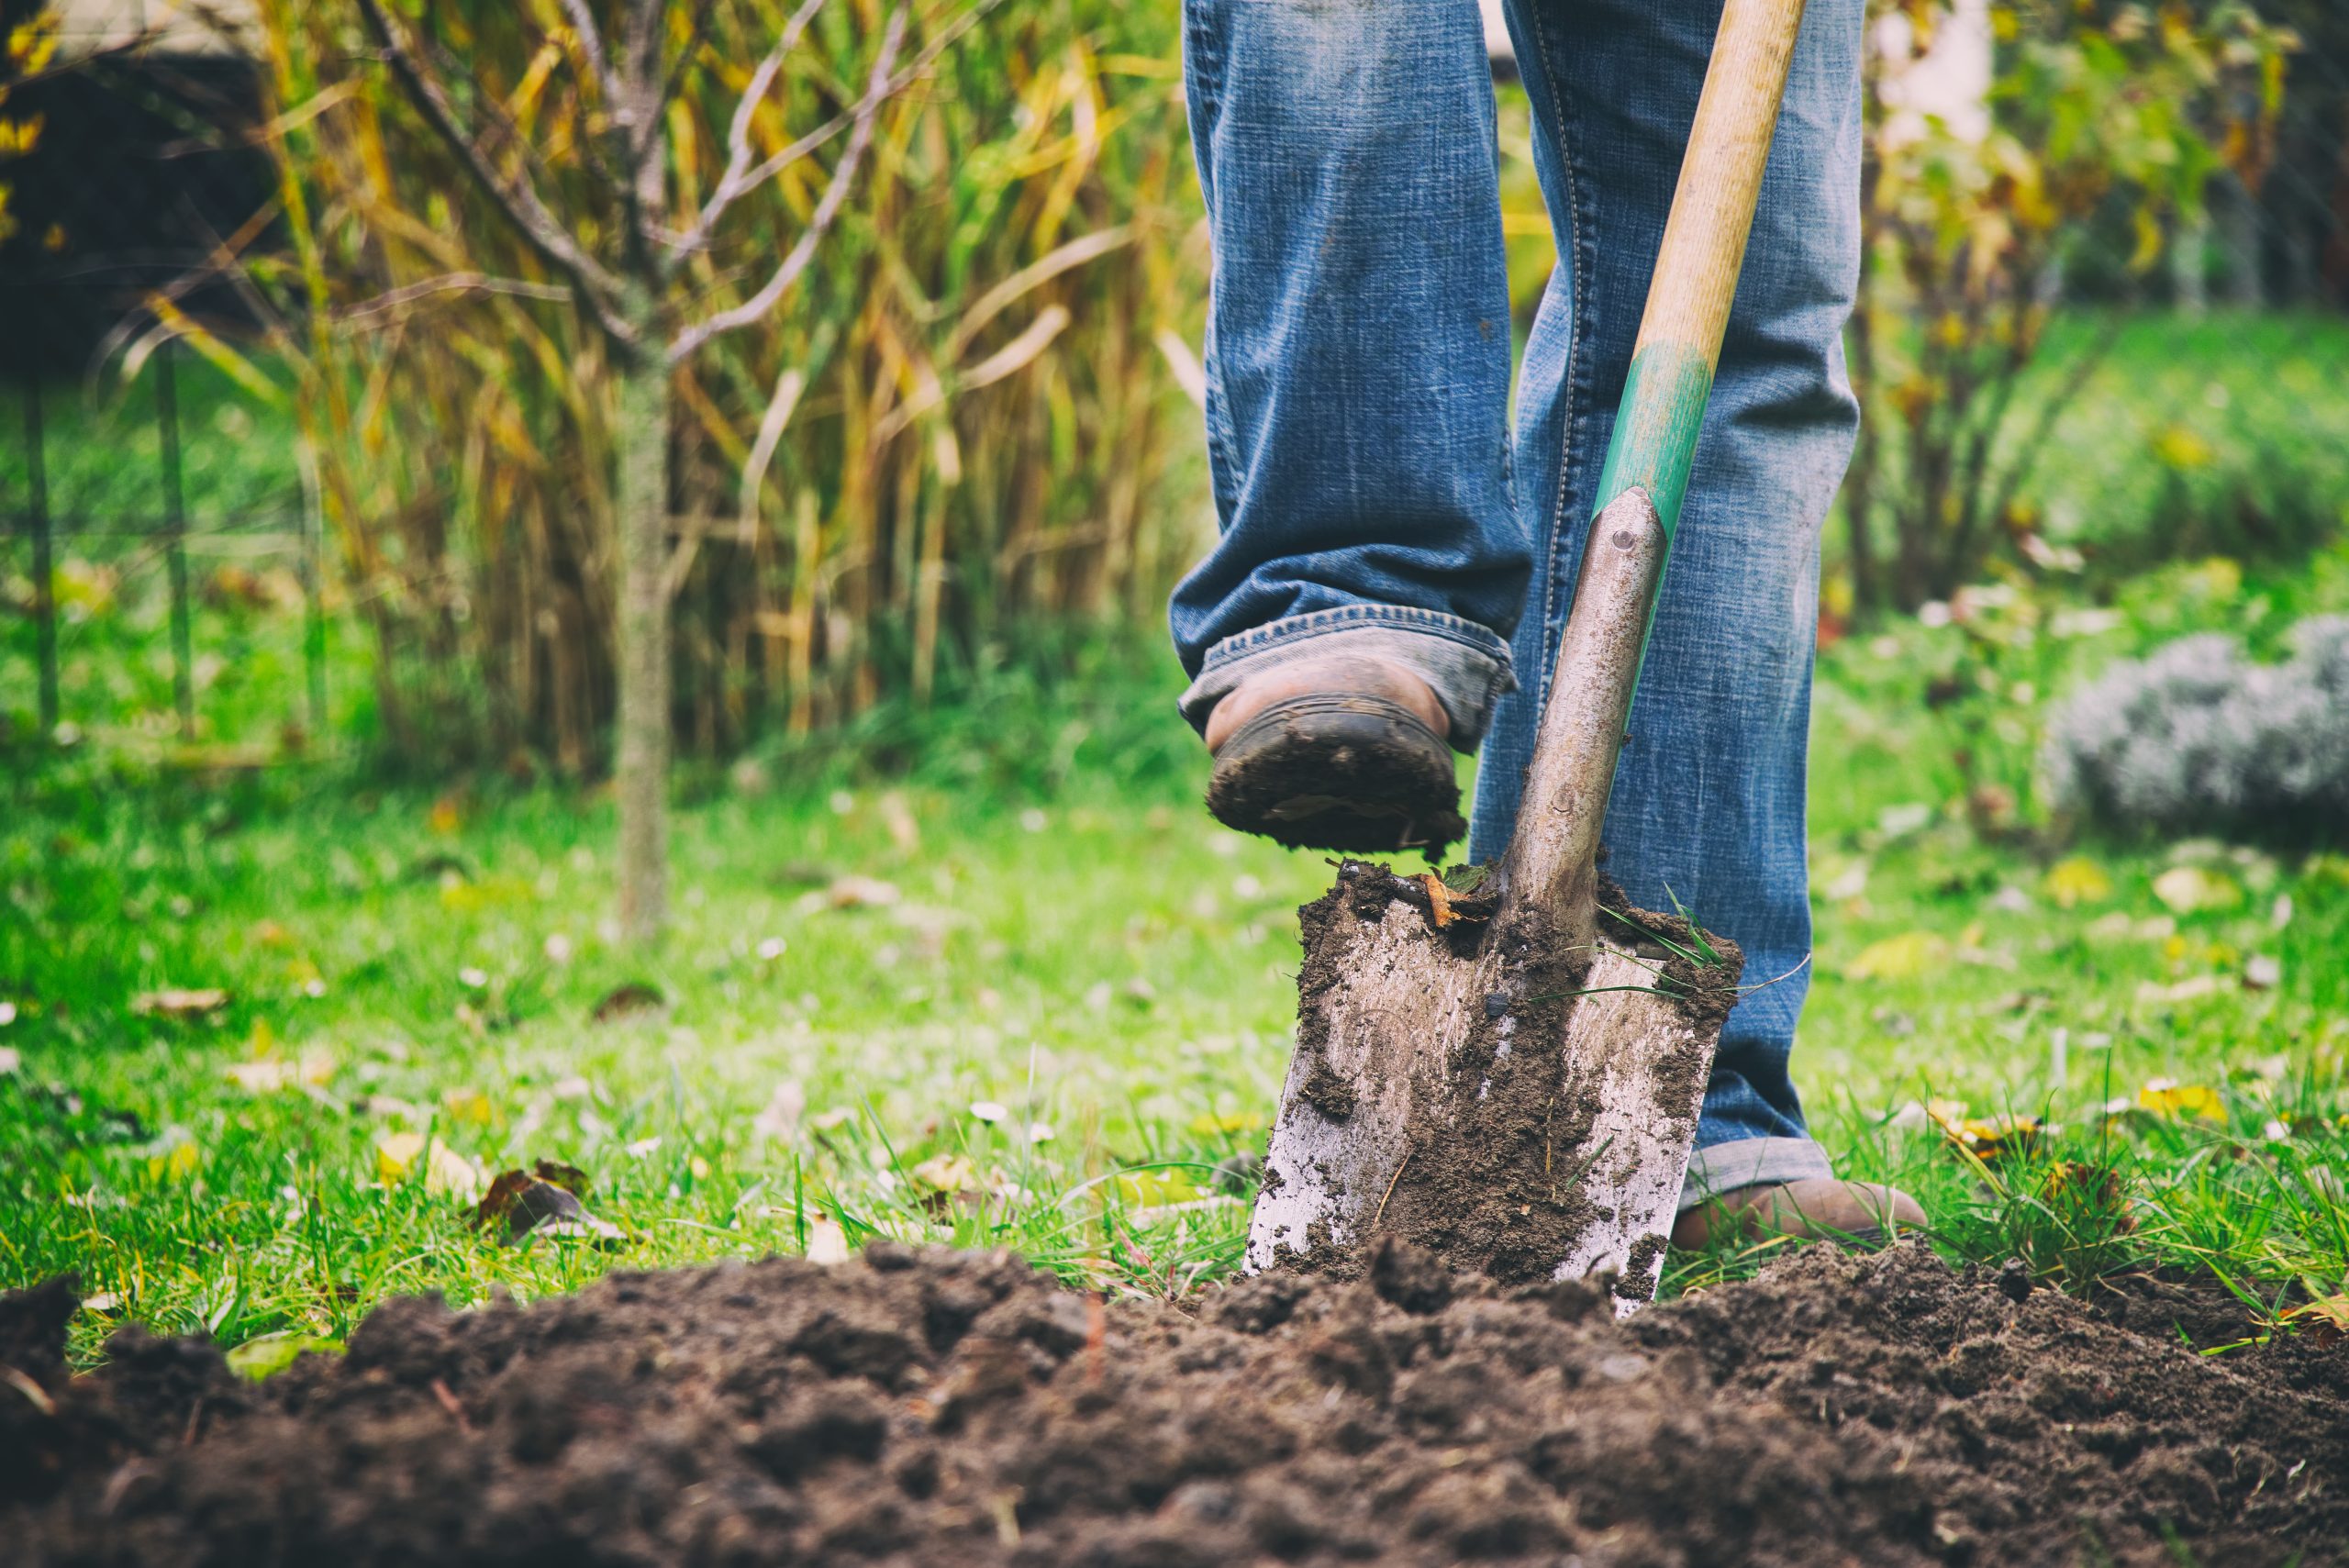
pixel 1376 496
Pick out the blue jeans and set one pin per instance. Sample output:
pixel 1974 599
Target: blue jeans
pixel 1376 496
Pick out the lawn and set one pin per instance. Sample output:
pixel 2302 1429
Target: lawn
pixel 1028 994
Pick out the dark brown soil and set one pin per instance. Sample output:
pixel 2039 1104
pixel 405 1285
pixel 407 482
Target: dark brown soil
pixel 920 1409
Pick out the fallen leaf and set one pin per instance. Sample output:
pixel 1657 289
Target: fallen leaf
pixel 856 892
pixel 946 1174
pixel 1904 957
pixel 1438 900
pixel 569 1177
pixel 2187 990
pixel 179 1004
pixel 2328 1319
pixel 2165 1096
pixel 270 1073
pixel 447 1174
pixel 827 1243
pixel 1987 1138
pixel 627 1001
pixel 467 1106
pixel 528 1205
pixel 260 1078
pixel 2187 889
pixel 2076 880
pixel 270 1354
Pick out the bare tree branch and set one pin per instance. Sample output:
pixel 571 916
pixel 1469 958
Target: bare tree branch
pixel 698 235
pixel 593 285
pixel 878 87
pixel 392 300
pixel 735 180
pixel 591 44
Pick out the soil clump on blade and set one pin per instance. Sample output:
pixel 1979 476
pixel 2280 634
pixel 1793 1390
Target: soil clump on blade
pixel 926 1409
pixel 1500 1163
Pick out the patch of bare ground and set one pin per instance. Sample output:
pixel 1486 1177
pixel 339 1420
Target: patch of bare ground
pixel 920 1408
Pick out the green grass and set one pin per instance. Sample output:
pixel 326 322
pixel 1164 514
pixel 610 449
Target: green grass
pixel 1075 942
pixel 2228 431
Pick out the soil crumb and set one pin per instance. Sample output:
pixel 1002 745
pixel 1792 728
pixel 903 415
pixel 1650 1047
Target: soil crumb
pixel 926 1409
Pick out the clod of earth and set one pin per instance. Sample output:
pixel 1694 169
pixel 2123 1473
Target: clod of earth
pixel 931 1408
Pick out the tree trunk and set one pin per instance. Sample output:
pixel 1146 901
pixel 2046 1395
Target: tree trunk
pixel 641 442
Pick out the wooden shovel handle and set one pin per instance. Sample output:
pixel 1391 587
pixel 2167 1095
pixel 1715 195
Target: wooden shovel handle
pixel 1551 869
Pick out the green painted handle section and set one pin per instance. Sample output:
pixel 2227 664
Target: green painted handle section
pixel 1656 428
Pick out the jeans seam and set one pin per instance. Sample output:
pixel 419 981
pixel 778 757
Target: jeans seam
pixel 1578 280
pixel 1403 618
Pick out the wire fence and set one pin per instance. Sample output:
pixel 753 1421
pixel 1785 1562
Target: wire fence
pixel 148 511
pixel 165 570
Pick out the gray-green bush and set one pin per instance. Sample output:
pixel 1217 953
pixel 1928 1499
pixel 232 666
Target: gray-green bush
pixel 2198 739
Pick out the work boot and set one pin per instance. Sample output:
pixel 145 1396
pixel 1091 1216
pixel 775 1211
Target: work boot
pixel 1815 1207
pixel 1341 752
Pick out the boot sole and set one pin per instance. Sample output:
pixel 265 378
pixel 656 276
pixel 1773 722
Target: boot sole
pixel 1338 771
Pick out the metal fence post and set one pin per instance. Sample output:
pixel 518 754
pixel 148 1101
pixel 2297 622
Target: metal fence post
pixel 167 422
pixel 44 566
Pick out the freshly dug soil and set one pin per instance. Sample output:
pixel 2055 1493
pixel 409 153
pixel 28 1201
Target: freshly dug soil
pixel 933 1409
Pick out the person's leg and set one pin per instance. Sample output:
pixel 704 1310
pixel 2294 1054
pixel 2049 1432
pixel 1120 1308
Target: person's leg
pixel 1358 368
pixel 1708 799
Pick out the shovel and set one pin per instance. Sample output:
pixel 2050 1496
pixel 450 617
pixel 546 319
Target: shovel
pixel 1509 1074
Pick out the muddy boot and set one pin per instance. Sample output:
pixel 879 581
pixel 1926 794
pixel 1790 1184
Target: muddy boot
pixel 1816 1208
pixel 1337 753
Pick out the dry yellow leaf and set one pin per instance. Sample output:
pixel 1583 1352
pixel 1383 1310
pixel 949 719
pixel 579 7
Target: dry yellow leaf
pixel 173 1002
pixel 1904 957
pixel 2165 1097
pixel 947 1174
pixel 827 1243
pixel 1987 1138
pixel 468 1106
pixel 2187 889
pixel 447 1174
pixel 2328 1317
pixel 2076 880
pixel 396 1154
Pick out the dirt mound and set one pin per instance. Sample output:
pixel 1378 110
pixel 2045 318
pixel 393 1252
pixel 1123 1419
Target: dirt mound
pixel 929 1408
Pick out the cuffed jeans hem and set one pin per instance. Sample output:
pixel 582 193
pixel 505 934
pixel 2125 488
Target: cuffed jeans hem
pixel 1750 1162
pixel 1463 665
